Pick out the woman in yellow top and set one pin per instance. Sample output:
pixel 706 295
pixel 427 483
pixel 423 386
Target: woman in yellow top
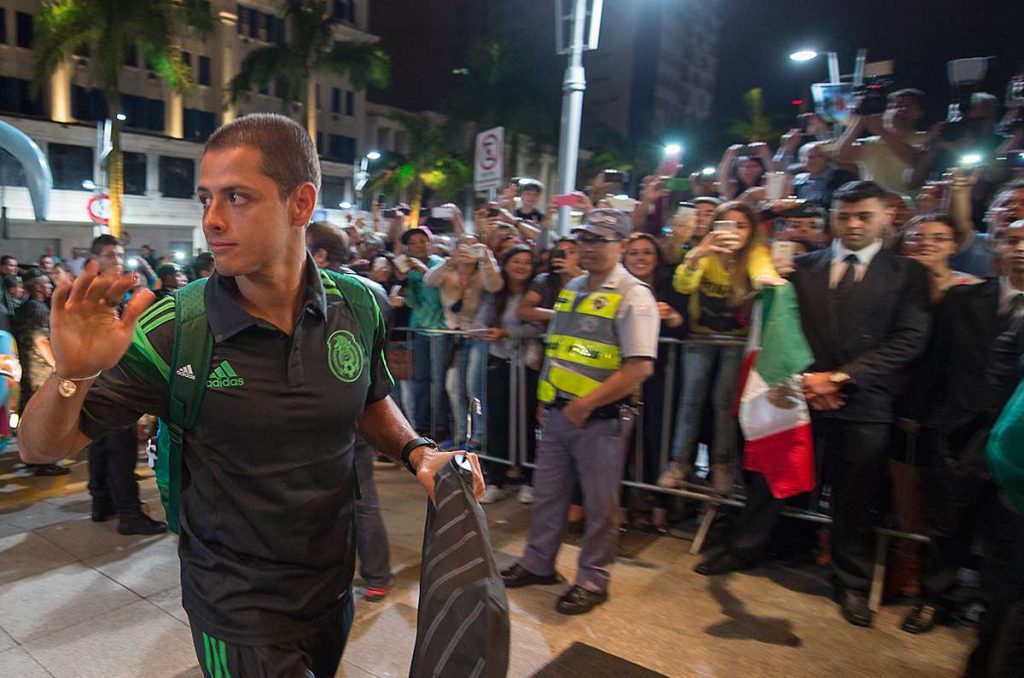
pixel 720 275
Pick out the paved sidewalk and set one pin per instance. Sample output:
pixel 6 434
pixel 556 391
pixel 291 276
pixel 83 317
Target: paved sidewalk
pixel 79 600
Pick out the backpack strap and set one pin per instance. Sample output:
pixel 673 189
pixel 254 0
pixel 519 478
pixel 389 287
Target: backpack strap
pixel 189 370
pixel 362 303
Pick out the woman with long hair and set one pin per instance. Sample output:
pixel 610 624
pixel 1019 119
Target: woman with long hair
pixel 563 265
pixel 721 277
pixel 499 313
pixel 932 239
pixel 645 260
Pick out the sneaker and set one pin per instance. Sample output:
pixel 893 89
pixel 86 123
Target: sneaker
pixel 140 523
pixel 493 494
pixel 525 494
pixel 673 477
pixel 375 594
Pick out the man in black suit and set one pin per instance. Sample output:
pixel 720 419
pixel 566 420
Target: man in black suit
pixel 864 311
pixel 960 407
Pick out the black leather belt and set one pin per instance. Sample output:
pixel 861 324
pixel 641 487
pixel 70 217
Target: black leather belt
pixel 611 411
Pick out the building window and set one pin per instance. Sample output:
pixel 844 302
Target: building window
pixel 318 104
pixel 199 125
pixel 177 177
pixel 243 20
pixel 319 142
pixel 12 173
pixel 332 192
pixel 3 25
pixel 14 97
pixel 186 58
pixel 131 55
pixel 335 100
pixel 24 26
pixel 87 104
pixel 344 10
pixel 350 103
pixel 71 165
pixel 341 148
pixel 134 173
pixel 143 113
pixel 280 88
pixel 204 70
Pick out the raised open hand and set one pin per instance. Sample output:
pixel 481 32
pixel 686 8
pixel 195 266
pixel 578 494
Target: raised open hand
pixel 87 332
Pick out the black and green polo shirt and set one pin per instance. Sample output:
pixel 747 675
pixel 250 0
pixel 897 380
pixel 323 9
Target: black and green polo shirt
pixel 267 543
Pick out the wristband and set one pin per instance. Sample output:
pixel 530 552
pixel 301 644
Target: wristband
pixel 412 445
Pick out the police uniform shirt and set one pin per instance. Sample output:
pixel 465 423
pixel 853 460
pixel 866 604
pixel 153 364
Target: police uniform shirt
pixel 635 329
pixel 267 541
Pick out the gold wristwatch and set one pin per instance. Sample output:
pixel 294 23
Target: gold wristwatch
pixel 839 377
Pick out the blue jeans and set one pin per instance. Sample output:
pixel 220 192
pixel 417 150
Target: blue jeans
pixel 708 370
pixel 468 383
pixel 430 411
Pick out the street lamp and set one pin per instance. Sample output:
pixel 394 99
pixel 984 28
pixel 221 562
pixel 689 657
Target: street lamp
pixel 362 174
pixel 345 205
pixel 572 43
pixel 803 55
pixel 122 117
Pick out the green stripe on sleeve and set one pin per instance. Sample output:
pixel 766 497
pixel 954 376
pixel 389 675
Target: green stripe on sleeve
pixel 224 659
pixel 206 652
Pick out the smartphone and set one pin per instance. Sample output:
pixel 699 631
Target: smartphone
pixel 783 252
pixel 402 263
pixel 567 200
pixel 442 213
pixel 775 185
pixel 493 212
pixel 730 226
pixel 480 250
pixel 612 176
pixel 686 211
pixel 395 291
pixel 675 184
pixel 623 204
pixel 558 254
pixel 389 213
pixel 131 263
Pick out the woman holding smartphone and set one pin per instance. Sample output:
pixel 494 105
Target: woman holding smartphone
pixel 721 277
pixel 538 303
pixel 932 239
pixel 499 313
pixel 645 260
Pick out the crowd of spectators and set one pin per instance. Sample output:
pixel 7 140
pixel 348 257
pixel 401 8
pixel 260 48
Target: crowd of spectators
pixel 906 375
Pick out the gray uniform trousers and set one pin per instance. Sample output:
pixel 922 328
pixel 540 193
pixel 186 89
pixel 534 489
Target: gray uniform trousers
pixel 594 455
pixel 371 537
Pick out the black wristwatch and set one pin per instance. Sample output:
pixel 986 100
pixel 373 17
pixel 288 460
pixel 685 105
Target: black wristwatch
pixel 412 445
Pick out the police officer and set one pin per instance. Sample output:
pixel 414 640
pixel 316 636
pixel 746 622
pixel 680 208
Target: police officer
pixel 602 345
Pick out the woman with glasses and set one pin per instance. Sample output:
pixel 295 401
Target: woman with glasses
pixel 932 239
pixel 721 277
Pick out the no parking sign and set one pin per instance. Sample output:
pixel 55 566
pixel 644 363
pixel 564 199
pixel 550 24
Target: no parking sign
pixel 489 159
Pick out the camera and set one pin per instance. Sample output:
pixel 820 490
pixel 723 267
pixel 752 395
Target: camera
pixel 965 78
pixel 873 95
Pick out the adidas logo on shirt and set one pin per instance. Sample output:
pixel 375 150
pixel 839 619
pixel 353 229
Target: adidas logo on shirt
pixel 186 372
pixel 224 377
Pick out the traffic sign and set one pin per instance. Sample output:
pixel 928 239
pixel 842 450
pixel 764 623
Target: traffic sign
pixel 98 208
pixel 489 161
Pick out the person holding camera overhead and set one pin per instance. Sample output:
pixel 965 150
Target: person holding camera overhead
pixel 895 147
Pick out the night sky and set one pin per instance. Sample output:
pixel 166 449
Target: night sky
pixel 921 35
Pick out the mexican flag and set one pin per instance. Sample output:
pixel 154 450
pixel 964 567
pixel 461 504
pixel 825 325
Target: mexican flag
pixel 772 410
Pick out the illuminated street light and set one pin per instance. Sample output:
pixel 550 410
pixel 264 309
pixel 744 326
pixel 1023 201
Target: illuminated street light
pixel 89 184
pixel 373 155
pixel 122 117
pixel 803 55
pixel 179 255
pixel 345 205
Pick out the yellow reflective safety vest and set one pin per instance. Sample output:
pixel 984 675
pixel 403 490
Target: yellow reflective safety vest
pixel 582 342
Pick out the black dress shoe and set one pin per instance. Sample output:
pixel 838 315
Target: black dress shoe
pixel 102 512
pixel 140 523
pixel 856 610
pixel 922 618
pixel 723 563
pixel 517 576
pixel 579 600
pixel 49 470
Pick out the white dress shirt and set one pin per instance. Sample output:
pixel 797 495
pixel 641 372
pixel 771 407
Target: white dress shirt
pixel 839 254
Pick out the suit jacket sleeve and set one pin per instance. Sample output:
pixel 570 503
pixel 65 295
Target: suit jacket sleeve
pixel 908 335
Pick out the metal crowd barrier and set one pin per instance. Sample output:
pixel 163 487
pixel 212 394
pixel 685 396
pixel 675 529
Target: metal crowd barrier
pixel 521 420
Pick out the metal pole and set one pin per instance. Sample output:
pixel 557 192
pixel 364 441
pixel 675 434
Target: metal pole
pixel 573 85
pixel 833 68
pixel 667 409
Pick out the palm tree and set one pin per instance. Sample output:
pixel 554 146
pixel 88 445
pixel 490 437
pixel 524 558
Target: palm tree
pixel 310 50
pixel 428 164
pixel 107 28
pixel 757 126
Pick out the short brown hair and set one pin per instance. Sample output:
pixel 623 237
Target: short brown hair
pixel 289 156
pixel 322 235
